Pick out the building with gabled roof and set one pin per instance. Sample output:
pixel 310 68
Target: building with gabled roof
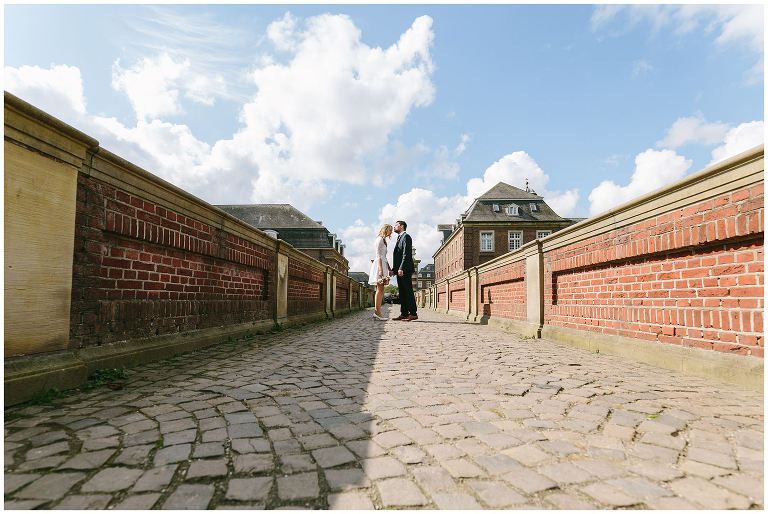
pixel 501 220
pixel 286 222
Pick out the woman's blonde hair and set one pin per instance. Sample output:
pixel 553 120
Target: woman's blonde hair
pixel 385 230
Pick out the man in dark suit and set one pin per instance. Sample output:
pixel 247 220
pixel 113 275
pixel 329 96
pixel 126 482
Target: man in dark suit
pixel 403 265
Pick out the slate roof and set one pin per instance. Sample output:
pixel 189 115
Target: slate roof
pixel 503 191
pixel 359 276
pixel 503 195
pixel 271 215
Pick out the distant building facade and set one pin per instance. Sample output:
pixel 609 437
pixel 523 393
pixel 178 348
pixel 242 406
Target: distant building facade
pixel 296 228
pixel 498 222
pixel 425 278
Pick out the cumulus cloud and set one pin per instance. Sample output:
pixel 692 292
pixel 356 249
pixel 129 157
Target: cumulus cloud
pixel 693 129
pixel 423 209
pixel 323 113
pixel 514 169
pixel 653 169
pixel 739 139
pixel 57 90
pixel 641 67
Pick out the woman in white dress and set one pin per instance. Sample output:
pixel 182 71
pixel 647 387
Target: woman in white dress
pixel 379 275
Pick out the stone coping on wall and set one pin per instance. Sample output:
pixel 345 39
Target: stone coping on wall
pixel 732 174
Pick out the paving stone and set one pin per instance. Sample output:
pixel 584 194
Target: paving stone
pixel 254 463
pixel 50 487
pixel 313 442
pixel 47 451
pixel 88 460
pixel 190 497
pixel 215 435
pixel 691 467
pixel 444 451
pixel 610 496
pixel 669 503
pixel 251 446
pixel 84 502
pixel 333 456
pixel 565 501
pixel 382 467
pixel 44 463
pixel 349 501
pixel 408 454
pixel 528 481
pixel 286 447
pixel 434 479
pixel 346 479
pixel 138 502
pixel 203 450
pixel 172 454
pixel 23 504
pixel 494 493
pixel 207 468
pixel 298 487
pixel 365 449
pixel 245 430
pixel 713 458
pixel 100 444
pixel 111 480
pixel 462 468
pixel 742 484
pixel 400 492
pixel 455 501
pixel 185 436
pixel 707 495
pixel 497 464
pixel 296 463
pixel 249 489
pixel 12 482
pixel 155 479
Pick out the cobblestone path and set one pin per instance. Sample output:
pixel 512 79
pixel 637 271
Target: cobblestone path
pixel 355 413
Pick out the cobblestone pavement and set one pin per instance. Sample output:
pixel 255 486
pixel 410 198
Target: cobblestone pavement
pixel 355 413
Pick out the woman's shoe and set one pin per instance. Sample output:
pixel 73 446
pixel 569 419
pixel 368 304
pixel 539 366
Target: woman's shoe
pixel 379 317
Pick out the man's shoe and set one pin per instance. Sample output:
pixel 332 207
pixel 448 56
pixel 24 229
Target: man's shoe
pixel 400 317
pixel 411 318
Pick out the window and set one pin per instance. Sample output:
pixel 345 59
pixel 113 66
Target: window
pixel 542 233
pixel 495 207
pixel 512 210
pixel 534 208
pixel 486 241
pixel 515 239
pixel 419 286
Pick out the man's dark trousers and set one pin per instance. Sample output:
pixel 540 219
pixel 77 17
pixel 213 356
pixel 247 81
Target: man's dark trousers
pixel 407 298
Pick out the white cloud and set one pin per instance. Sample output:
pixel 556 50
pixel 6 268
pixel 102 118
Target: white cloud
pixel 282 33
pixel 465 138
pixel 325 114
pixel 57 90
pixel 653 169
pixel 739 139
pixel 693 129
pixel 514 169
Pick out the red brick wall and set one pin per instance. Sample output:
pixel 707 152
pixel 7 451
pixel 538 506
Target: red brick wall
pixel 442 297
pixel 142 270
pixel 450 259
pixel 457 296
pixel 342 294
pixel 305 288
pixel 355 295
pixel 503 291
pixel 693 277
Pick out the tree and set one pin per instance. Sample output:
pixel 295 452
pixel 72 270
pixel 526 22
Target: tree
pixel 390 289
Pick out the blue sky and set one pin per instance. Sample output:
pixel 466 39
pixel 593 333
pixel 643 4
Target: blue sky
pixel 360 114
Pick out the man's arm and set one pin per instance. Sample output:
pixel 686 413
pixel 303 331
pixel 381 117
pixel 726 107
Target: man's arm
pixel 406 250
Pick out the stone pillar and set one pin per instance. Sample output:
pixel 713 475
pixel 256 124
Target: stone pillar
pixel 333 292
pixel 473 293
pixel 349 294
pixel 328 292
pixel 534 285
pixel 281 285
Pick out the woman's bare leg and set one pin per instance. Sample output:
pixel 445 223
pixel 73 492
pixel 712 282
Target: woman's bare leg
pixel 379 298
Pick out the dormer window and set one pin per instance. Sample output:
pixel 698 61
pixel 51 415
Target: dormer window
pixel 534 207
pixel 512 210
pixel 496 207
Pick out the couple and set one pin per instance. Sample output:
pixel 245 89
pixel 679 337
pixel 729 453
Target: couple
pixel 403 260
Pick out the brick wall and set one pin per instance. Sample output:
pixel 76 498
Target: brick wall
pixel 457 296
pixel 692 277
pixel 342 294
pixel 442 298
pixel 305 288
pixel 502 291
pixel 141 270
pixel 450 258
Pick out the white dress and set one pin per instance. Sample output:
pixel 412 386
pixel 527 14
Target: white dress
pixel 380 252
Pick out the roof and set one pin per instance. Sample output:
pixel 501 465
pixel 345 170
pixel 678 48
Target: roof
pixel 428 267
pixel 359 276
pixel 503 194
pixel 503 191
pixel 271 215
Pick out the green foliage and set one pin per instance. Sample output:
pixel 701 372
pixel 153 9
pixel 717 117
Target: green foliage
pixel 102 377
pixel 390 289
pixel 47 396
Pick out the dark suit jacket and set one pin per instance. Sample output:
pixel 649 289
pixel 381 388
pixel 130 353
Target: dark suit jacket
pixel 403 255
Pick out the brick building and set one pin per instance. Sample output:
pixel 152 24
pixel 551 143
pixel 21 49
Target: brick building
pixel 296 228
pixel 501 220
pixel 425 278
